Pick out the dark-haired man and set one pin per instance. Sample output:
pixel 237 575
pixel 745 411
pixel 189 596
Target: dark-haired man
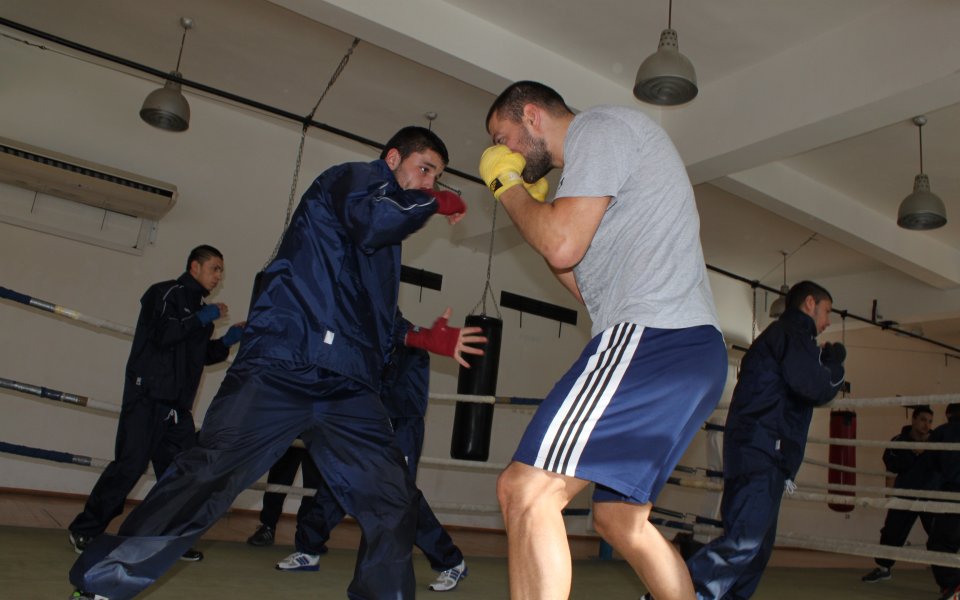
pixel 913 473
pixel 945 528
pixel 171 345
pixel 622 234
pixel 310 364
pixel 783 376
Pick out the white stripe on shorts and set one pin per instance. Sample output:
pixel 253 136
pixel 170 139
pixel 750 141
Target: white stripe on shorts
pixel 585 402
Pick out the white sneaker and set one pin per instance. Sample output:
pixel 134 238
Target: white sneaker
pixel 300 561
pixel 449 579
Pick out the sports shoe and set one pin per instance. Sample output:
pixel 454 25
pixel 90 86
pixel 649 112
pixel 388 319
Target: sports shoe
pixel 81 595
pixel 300 561
pixel 79 541
pixel 878 574
pixel 263 536
pixel 449 579
pixel 192 555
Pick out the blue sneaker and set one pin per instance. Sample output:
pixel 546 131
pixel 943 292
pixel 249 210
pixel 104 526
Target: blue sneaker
pixel 300 561
pixel 449 579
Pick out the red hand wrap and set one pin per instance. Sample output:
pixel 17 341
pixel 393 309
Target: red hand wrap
pixel 439 339
pixel 448 203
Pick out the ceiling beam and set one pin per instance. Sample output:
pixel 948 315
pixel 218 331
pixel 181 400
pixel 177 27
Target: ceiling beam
pixel 464 46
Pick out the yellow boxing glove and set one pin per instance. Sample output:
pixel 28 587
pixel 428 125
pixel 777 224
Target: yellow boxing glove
pixel 538 190
pixel 500 169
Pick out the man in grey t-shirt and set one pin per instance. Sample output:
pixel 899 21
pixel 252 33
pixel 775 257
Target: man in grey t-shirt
pixel 622 235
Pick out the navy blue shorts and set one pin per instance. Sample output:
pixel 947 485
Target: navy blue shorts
pixel 627 409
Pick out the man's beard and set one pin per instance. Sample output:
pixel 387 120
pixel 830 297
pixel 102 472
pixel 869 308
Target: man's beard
pixel 538 158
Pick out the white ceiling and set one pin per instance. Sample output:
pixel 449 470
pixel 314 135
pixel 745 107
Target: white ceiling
pixel 802 128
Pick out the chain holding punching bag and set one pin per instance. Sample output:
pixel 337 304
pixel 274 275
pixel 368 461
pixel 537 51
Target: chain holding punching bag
pixel 472 421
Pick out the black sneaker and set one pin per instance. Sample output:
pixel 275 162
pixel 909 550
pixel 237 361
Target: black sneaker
pixel 79 541
pixel 192 555
pixel 878 574
pixel 263 536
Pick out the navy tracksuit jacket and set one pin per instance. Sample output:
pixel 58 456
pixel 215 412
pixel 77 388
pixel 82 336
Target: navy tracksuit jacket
pixel 781 379
pixel 309 364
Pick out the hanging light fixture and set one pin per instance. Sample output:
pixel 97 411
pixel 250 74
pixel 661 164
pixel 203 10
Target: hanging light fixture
pixel 166 108
pixel 666 77
pixel 780 304
pixel 922 209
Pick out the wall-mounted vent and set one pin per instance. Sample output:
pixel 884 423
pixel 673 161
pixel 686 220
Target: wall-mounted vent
pixel 74 179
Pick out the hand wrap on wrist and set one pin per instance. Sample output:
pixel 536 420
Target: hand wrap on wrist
pixel 439 339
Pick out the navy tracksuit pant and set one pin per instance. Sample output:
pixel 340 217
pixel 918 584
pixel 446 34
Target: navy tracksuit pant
pixel 313 526
pixel 147 433
pixel 260 409
pixel 730 566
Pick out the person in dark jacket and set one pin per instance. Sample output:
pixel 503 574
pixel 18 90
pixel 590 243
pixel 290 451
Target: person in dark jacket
pixel 783 376
pixel 171 345
pixel 406 387
pixel 913 473
pixel 310 364
pixel 945 529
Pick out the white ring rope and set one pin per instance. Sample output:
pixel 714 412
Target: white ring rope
pixel 445 398
pixel 906 401
pixel 853 548
pixel 904 493
pixel 845 469
pixel 461 464
pixel 862 501
pixel 953 446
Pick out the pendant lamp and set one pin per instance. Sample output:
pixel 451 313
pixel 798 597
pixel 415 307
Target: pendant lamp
pixel 166 108
pixel 921 210
pixel 666 77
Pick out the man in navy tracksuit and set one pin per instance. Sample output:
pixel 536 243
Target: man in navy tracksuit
pixel 914 472
pixel 171 345
pixel 945 529
pixel 406 385
pixel 783 376
pixel 310 364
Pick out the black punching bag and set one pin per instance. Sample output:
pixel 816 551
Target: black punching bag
pixel 473 421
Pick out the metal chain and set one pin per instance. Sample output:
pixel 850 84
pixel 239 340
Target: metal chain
pixel 303 138
pixel 486 288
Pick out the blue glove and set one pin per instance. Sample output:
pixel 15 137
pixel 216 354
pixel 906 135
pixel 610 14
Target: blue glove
pixel 232 336
pixel 208 314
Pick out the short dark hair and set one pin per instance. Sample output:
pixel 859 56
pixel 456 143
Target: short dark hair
pixel 412 139
pixel 509 104
pixel 202 254
pixel 953 410
pixel 918 410
pixel 799 292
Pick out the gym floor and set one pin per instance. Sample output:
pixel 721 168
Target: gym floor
pixel 35 557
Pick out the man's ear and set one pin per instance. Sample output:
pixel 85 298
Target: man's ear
pixel 531 116
pixel 393 158
pixel 194 269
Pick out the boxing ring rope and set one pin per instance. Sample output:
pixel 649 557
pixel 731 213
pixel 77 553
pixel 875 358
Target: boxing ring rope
pixel 905 401
pixel 702 524
pixel 52 394
pixel 9 294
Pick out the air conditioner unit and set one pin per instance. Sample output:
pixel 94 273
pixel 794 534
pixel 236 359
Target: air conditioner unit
pixel 79 180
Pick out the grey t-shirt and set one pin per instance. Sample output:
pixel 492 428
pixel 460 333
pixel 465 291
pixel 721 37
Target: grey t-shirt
pixel 645 263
